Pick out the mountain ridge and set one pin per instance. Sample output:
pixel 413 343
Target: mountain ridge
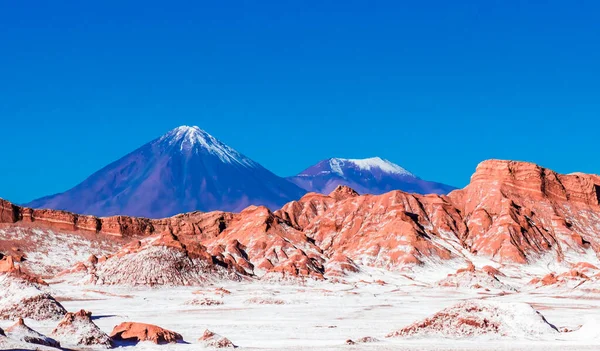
pixel 511 213
pixel 187 169
pixel 372 175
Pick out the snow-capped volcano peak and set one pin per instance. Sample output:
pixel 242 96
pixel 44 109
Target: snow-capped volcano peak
pixel 368 164
pixel 344 166
pixel 184 170
pixel 367 176
pixel 197 140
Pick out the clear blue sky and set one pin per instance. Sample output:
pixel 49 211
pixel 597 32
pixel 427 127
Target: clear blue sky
pixel 435 86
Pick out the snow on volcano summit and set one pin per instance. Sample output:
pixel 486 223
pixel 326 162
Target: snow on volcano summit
pixel 367 176
pixel 197 140
pixel 368 165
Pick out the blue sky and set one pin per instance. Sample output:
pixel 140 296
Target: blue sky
pixel 435 86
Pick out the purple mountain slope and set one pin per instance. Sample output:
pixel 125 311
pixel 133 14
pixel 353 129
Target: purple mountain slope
pixel 366 176
pixel 185 170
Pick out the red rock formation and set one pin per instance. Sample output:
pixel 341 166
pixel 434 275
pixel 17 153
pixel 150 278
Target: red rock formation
pixel 560 279
pixel 9 213
pixel 7 264
pixel 511 212
pixel 264 244
pixel 515 209
pixel 77 329
pixel 211 339
pixel 492 271
pixel 387 230
pixel 131 331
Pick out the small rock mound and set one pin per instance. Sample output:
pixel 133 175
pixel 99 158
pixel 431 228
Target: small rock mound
pixel 136 332
pixel 211 339
pixel 20 331
pixel 204 302
pixel 343 192
pixel 158 260
pixel 77 329
pixel 22 298
pixel 363 340
pixel 476 318
pixel 572 277
pixel 472 278
pixel 265 301
pixel 222 291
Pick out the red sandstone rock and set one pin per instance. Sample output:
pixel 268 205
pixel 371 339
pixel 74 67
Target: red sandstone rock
pixel 470 268
pixel 560 279
pixel 513 209
pixel 211 339
pixel 7 264
pixel 131 331
pixel 77 329
pixel 511 212
pixel 265 245
pixel 492 271
pixel 385 230
pixel 343 192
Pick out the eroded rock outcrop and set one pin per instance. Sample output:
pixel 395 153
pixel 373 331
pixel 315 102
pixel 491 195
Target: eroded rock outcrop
pixel 469 319
pixel 157 260
pixel 21 332
pixel 514 210
pixel 511 213
pixel 212 339
pixel 136 332
pixel 474 278
pixel 23 298
pixel 78 329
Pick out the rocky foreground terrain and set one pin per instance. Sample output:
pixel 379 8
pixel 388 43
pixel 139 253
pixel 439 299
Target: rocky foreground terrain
pixel 510 261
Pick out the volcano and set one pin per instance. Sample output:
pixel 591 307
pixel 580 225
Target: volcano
pixel 367 176
pixel 185 170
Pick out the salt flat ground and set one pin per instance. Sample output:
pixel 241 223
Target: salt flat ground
pixel 321 315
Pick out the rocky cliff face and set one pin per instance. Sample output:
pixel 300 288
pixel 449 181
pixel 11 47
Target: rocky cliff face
pixel 510 213
pixel 515 211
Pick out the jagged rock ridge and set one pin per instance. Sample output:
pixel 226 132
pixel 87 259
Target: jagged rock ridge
pixel 511 212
